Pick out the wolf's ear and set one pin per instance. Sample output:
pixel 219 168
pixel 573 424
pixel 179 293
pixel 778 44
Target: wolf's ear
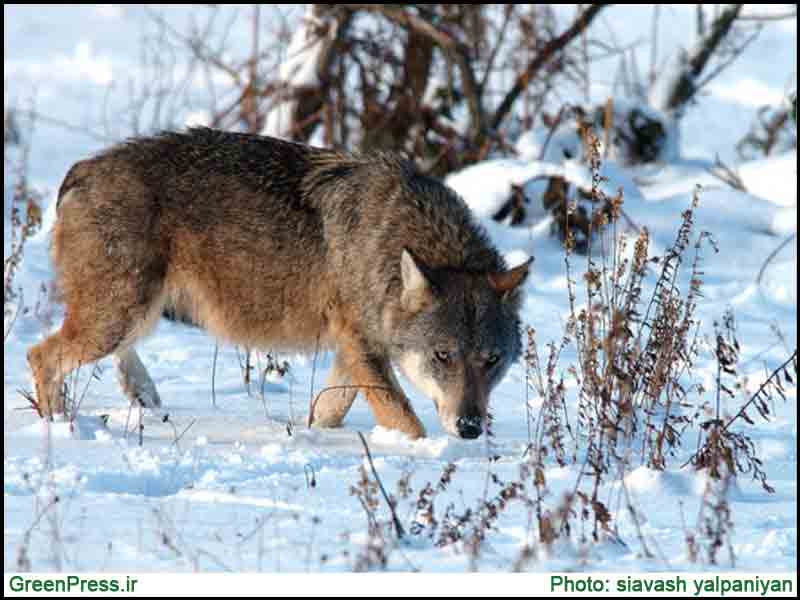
pixel 506 282
pixel 417 290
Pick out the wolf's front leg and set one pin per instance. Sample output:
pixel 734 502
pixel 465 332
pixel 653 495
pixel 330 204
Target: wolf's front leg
pixel 373 375
pixel 333 403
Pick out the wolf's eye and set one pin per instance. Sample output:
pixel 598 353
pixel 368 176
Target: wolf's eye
pixel 492 360
pixel 442 356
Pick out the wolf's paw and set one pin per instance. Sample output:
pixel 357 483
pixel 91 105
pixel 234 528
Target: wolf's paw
pixel 322 420
pixel 414 429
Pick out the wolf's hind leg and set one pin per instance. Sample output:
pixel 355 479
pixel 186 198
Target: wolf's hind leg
pixel 135 381
pixel 333 404
pixel 50 362
pixel 87 335
pixel 106 312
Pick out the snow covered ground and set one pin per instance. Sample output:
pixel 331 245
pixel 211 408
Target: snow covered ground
pixel 235 481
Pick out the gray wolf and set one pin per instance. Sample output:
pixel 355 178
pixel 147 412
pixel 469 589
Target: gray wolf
pixel 272 244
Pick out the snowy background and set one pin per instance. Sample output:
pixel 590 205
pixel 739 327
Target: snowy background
pixel 229 487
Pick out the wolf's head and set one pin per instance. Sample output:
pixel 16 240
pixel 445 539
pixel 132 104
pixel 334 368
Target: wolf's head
pixel 459 336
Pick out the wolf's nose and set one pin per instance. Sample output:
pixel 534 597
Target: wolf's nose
pixel 469 427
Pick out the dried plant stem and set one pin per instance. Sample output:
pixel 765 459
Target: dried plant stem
pixel 214 376
pixel 754 397
pixel 772 256
pixel 397 525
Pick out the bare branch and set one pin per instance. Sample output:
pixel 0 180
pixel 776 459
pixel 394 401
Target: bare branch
pixel 775 17
pixel 734 54
pixel 685 87
pixel 541 59
pixel 508 13
pixel 727 175
pixel 37 116
pixel 454 48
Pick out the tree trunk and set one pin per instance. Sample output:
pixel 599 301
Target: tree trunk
pixel 306 75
